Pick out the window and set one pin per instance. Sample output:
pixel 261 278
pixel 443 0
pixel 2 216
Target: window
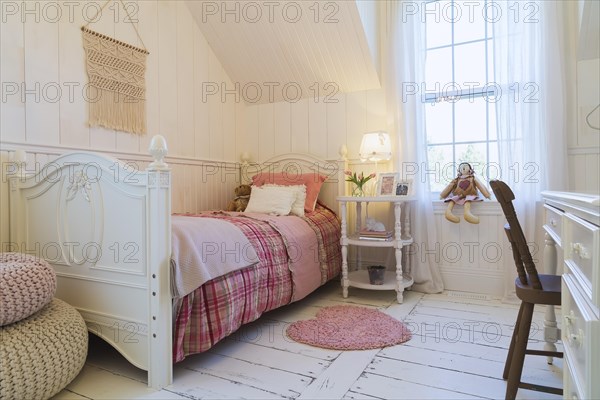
pixel 459 109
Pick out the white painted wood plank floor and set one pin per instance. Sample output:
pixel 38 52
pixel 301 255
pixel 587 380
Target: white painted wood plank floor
pixel 457 351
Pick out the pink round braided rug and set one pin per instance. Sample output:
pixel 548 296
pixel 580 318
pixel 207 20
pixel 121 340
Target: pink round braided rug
pixel 349 328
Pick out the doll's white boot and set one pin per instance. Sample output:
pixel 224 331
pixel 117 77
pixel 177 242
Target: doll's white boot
pixel 468 216
pixel 448 214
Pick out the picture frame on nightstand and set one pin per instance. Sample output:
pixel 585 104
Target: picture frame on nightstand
pixel 403 187
pixel 386 183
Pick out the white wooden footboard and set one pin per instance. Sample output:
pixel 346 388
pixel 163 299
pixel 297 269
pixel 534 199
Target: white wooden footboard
pixel 107 232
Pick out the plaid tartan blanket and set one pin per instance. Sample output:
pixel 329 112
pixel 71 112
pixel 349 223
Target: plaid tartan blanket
pixel 220 306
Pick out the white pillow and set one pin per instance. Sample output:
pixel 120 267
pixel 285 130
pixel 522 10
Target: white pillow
pixel 299 193
pixel 270 200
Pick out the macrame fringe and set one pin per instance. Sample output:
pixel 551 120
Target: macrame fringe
pixel 116 71
pixel 117 111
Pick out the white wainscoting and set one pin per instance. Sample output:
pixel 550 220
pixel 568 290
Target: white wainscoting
pixel 471 258
pixel 474 258
pixel 584 169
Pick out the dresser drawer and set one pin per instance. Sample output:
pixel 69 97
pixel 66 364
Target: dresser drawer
pixel 579 335
pixel 571 387
pixel 580 244
pixel 553 222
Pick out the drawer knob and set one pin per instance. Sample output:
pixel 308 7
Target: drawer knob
pixel 580 249
pixel 576 339
pixel 569 318
pixel 553 222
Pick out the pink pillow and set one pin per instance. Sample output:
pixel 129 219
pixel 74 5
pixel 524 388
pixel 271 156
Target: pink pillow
pixel 313 183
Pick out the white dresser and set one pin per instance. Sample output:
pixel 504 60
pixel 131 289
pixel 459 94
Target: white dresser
pixel 572 221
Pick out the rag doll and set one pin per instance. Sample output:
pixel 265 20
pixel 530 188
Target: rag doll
pixel 464 190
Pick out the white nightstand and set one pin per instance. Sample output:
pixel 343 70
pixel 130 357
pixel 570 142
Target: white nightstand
pixel 360 279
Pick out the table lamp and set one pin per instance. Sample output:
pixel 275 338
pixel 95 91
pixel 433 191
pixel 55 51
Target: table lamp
pixel 375 146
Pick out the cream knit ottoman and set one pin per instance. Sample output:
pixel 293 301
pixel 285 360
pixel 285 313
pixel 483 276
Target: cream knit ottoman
pixel 41 353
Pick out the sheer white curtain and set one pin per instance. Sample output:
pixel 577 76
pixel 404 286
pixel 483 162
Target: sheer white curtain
pixel 403 67
pixel 531 59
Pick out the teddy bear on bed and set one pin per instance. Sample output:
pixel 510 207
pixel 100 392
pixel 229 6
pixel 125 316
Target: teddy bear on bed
pixel 242 196
pixel 464 191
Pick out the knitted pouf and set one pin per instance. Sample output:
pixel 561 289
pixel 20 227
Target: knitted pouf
pixel 41 354
pixel 27 283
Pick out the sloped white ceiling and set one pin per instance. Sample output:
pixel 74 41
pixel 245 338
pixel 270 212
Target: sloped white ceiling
pixel 288 50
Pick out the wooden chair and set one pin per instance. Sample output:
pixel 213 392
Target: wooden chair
pixel 531 288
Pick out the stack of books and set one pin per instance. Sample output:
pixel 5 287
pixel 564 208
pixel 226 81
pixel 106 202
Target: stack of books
pixel 375 235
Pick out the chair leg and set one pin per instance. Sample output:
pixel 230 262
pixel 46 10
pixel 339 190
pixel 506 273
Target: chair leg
pixel 511 348
pixel 518 356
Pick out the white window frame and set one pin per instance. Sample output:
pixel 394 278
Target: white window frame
pixel 470 93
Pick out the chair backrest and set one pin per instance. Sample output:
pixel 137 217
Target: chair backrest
pixel 523 260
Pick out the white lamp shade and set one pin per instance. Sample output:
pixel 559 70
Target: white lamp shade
pixel 375 146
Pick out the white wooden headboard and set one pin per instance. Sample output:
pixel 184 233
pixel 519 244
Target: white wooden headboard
pixel 295 164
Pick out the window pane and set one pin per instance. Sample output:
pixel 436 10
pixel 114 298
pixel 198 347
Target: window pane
pixel 474 154
pixel 441 167
pixel 437 71
pixel 439 28
pixel 439 122
pixel 470 119
pixel 490 55
pixel 469 63
pixel 459 130
pixel 493 168
pixel 492 129
pixel 469 23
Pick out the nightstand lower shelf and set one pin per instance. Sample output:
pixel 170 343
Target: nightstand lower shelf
pixel 360 279
pixel 397 278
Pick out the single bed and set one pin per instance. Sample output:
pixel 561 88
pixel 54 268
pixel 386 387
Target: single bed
pixel 107 231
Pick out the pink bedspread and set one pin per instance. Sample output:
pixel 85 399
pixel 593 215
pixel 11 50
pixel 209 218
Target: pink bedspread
pixel 196 260
pixel 288 269
pixel 302 250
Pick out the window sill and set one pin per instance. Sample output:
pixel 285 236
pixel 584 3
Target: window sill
pixel 440 205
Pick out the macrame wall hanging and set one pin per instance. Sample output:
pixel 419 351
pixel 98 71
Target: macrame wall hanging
pixel 116 72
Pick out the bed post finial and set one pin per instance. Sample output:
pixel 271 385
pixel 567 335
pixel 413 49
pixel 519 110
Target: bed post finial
pixel 343 152
pixel 245 157
pixel 158 149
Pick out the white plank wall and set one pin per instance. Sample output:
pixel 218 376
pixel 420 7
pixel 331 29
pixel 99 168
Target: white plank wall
pixel 584 170
pixel 315 125
pixel 4 227
pixel 46 58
